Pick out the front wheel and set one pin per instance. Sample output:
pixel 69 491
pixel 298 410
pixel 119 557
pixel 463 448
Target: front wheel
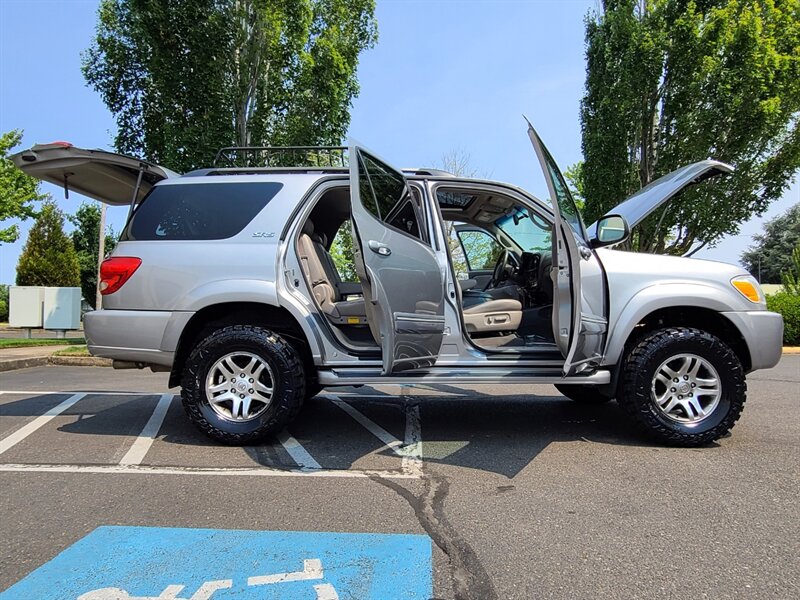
pixel 242 384
pixel 684 386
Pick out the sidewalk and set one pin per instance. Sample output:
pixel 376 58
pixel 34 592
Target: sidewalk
pixel 38 356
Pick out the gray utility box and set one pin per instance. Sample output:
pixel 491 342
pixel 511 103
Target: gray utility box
pixel 47 307
pixel 25 304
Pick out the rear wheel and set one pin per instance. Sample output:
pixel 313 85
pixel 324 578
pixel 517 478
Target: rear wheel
pixel 242 384
pixel 584 394
pixel 683 385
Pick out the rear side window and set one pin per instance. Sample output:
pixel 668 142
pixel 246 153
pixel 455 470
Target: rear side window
pixel 198 211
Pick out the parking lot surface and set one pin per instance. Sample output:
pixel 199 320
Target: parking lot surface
pixel 456 492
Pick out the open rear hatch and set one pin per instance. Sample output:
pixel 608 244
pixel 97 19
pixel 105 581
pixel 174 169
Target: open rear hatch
pixel 101 175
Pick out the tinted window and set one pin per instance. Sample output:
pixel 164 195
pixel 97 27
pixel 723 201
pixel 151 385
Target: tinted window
pixel 198 211
pixel 385 194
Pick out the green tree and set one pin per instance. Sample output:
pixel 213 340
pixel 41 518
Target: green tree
pixel 342 253
pixel 3 303
pixel 670 82
pixel 48 257
pixel 773 248
pixel 187 77
pixel 85 240
pixel 790 278
pixel 18 192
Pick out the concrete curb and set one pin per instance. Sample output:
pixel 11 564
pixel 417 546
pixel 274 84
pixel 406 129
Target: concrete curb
pixel 23 363
pixel 79 361
pixel 791 349
pixel 41 361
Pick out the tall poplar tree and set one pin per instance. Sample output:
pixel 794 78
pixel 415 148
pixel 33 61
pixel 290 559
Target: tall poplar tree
pixel 670 82
pixel 184 78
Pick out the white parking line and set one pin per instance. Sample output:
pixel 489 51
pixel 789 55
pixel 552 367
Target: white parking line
pixel 23 432
pixel 410 450
pixel 299 454
pixel 142 444
pixel 379 432
pixel 52 393
pixel 212 471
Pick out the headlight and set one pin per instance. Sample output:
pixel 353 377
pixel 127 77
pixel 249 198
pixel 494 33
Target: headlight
pixel 749 288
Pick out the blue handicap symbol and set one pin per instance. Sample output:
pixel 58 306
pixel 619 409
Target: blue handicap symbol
pixel 160 563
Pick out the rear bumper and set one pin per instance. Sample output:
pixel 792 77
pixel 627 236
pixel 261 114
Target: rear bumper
pixel 763 333
pixel 135 335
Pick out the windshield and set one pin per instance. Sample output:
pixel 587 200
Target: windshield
pixel 528 230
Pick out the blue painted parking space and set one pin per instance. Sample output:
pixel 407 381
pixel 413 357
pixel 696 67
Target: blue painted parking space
pixel 153 563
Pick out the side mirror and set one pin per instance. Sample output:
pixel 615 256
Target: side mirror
pixel 610 230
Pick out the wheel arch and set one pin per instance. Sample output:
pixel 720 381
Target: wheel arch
pixel 686 315
pixel 215 316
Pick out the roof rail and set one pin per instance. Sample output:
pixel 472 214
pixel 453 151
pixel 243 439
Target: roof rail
pixel 282 156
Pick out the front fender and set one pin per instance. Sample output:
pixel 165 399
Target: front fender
pixel 661 296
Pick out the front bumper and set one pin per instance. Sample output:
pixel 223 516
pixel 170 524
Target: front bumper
pixel 762 331
pixel 135 335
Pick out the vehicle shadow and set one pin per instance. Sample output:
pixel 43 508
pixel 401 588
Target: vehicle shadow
pixel 497 433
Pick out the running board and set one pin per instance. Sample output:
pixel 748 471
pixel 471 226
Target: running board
pixel 361 376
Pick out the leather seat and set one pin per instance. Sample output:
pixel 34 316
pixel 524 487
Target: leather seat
pixel 493 315
pixel 321 272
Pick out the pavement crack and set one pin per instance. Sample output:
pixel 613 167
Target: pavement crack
pixel 469 578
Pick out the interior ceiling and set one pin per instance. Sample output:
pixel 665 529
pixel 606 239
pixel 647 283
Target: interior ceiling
pixel 486 208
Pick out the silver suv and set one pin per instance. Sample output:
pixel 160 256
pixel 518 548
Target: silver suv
pixel 224 277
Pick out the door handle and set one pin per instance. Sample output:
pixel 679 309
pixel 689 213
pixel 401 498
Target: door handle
pixel 379 248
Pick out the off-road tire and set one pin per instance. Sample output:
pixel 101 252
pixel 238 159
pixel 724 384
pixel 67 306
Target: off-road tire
pixel 583 394
pixel 638 370
pixel 289 385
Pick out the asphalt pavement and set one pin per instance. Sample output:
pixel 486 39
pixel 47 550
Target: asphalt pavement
pixel 480 492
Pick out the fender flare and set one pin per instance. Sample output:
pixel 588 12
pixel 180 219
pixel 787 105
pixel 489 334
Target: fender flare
pixel 662 296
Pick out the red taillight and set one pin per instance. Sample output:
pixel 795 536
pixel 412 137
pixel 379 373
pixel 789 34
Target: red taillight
pixel 115 271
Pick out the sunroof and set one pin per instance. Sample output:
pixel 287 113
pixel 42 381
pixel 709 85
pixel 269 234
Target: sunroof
pixel 453 199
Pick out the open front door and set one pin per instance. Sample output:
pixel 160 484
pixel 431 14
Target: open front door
pixel 579 295
pixel 402 281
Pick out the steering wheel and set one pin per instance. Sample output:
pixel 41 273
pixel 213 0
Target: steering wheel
pixel 500 272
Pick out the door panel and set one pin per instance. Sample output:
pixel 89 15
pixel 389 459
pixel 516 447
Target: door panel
pixel 403 282
pixel 579 287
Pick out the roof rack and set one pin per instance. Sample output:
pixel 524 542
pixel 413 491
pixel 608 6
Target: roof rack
pixel 282 156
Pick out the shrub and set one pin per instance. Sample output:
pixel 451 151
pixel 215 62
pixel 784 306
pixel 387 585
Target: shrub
pixel 789 306
pixel 3 303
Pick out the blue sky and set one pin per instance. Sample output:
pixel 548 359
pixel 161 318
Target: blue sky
pixel 444 76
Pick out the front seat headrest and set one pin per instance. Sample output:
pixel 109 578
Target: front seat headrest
pixel 308 228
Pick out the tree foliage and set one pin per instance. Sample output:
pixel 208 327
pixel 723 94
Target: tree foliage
pixel 48 257
pixel 187 77
pixel 86 241
pixel 790 278
pixel 18 192
pixel 670 82
pixel 773 248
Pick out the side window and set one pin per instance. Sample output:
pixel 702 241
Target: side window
pixel 480 248
pixel 385 194
pixel 342 253
pixel 198 211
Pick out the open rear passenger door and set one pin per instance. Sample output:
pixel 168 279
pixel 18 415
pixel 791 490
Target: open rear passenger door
pixel 402 280
pixel 579 294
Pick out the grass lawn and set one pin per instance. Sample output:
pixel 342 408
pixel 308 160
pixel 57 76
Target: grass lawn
pixel 73 351
pixel 24 342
